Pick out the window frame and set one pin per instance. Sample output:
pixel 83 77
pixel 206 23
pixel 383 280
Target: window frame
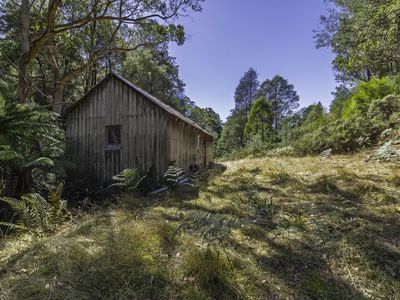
pixel 115 132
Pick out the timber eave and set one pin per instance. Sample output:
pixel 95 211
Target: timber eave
pixel 159 103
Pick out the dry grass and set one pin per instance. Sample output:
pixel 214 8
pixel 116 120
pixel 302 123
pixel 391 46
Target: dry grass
pixel 290 228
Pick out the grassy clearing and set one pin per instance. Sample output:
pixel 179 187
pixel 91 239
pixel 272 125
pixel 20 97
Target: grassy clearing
pixel 290 228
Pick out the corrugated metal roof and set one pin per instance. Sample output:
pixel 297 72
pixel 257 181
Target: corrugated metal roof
pixel 149 97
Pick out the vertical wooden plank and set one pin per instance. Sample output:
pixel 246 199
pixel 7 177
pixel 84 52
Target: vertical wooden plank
pixel 85 135
pixel 153 127
pixel 119 120
pixel 134 128
pixel 140 133
pixel 79 129
pixel 104 120
pixel 127 127
pixel 99 129
pixel 99 132
pixel 91 134
pixel 131 129
pixel 147 143
pixel 145 133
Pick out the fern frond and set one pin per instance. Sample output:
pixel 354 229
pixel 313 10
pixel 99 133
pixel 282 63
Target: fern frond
pixel 128 179
pixel 35 214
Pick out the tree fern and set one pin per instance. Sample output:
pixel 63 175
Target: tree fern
pixel 30 138
pixel 34 214
pixel 128 179
pixel 175 176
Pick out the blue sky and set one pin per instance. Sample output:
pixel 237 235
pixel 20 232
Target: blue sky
pixel 272 36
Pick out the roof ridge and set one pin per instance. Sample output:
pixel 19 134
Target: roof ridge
pixel 147 95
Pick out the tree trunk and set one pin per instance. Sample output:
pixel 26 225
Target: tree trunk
pixel 58 96
pixel 25 47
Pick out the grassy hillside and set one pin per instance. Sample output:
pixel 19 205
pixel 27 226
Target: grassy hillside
pixel 264 228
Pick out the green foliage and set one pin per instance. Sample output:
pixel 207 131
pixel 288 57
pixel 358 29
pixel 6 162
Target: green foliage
pixel 285 151
pixel 264 118
pixel 208 119
pixel 313 114
pixel 173 176
pixel 30 139
pixel 232 137
pixel 260 119
pixel 382 109
pixel 246 92
pixel 365 93
pixel 263 210
pixel 254 147
pixel 363 35
pixel 87 46
pixel 356 120
pixel 282 97
pixel 212 228
pixel 341 94
pixel 257 147
pixel 36 215
pixel 128 179
pixel 153 70
pixel 340 136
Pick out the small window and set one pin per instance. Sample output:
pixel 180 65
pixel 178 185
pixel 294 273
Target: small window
pixel 113 134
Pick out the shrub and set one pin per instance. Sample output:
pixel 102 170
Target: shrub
pixel 282 151
pixel 382 109
pixel 257 147
pixel 340 136
pixel 365 93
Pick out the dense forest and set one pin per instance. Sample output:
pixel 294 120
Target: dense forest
pixel 310 211
pixel 363 36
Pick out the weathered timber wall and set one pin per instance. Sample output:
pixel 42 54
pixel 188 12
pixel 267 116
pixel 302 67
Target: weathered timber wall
pixel 151 138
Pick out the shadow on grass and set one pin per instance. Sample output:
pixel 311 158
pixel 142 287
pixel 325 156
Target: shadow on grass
pixel 327 185
pixel 115 264
pixel 303 271
pixel 105 258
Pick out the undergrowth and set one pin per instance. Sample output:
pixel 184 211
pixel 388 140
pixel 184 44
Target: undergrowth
pixel 285 228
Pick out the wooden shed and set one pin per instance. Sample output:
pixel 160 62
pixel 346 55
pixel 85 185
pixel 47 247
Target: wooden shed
pixel 116 125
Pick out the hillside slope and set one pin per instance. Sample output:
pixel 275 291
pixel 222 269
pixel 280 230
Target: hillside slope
pixel 286 228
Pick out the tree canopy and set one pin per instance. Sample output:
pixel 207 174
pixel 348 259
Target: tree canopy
pixel 363 35
pixel 260 119
pixel 155 71
pixel 246 92
pixel 51 44
pixel 282 97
